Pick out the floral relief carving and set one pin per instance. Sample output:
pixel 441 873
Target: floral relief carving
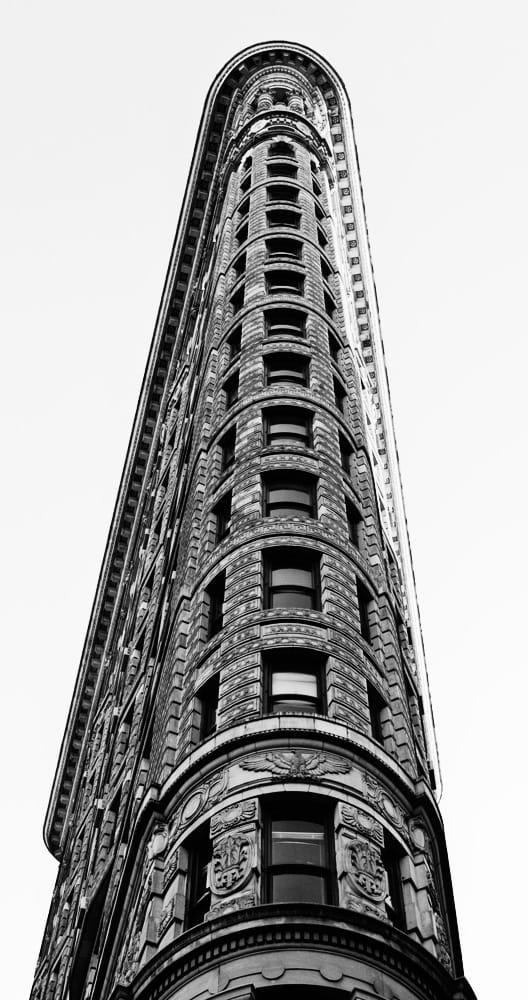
pixel 171 866
pixel 167 915
pixel 296 764
pixel 366 871
pixel 231 863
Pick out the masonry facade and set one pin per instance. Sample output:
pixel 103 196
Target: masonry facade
pixel 245 798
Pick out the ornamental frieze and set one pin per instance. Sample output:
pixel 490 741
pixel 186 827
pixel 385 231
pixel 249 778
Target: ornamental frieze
pixel 296 765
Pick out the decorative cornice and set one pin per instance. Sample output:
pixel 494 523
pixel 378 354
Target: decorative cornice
pixel 327 929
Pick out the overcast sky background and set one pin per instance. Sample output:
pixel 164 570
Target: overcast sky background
pixel 101 107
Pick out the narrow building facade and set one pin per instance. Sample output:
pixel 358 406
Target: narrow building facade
pixel 245 803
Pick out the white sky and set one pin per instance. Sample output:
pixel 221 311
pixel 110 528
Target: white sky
pixel 101 108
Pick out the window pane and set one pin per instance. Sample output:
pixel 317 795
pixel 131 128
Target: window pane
pixel 297 842
pixel 291 576
pixel 289 428
pixel 294 706
pixel 283 510
pixel 292 599
pixel 281 494
pixel 294 683
pixel 298 888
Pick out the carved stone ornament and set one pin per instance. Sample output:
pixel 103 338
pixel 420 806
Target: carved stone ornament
pixel 296 765
pixel 443 950
pixel 362 822
pixel 166 916
pixel 385 802
pixel 199 799
pixel 157 844
pixel 171 866
pixel 242 902
pixel 231 864
pixel 239 812
pixel 366 871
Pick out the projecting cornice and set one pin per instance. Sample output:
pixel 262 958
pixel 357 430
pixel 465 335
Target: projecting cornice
pixel 222 130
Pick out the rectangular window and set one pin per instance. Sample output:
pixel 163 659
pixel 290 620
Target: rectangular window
pixel 200 852
pixel 208 705
pixel 283 246
pixel 284 283
pixel 242 234
pixel 376 706
pixel 319 214
pixel 354 520
pixel 285 323
pixel 339 395
pixel 298 859
pixel 281 149
pixel 231 390
pixel 321 238
pixel 215 594
pixel 326 270
pixel 365 606
pixel 294 681
pixel 329 305
pixel 227 445
pixel 243 209
pixel 239 267
pixel 283 218
pixel 234 342
pixel 282 170
pixel 237 300
pixel 222 512
pixel 391 856
pixel 334 347
pixel 346 452
pixel 292 579
pixel 282 192
pixel 288 494
pixel 286 368
pixel 287 426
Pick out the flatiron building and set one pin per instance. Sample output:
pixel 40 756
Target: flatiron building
pixel 245 803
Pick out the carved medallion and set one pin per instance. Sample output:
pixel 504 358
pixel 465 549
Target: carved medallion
pixel 231 865
pixel 199 799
